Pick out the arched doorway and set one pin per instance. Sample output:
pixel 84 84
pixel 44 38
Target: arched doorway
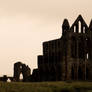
pixel 21 77
pixel 80 73
pixel 72 73
pixel 87 74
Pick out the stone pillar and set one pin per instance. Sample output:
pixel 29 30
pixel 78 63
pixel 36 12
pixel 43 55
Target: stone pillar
pixel 84 70
pixel 68 60
pixel 77 57
pixel 76 71
pixel 90 73
pixel 63 63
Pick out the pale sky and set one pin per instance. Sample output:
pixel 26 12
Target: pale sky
pixel 25 24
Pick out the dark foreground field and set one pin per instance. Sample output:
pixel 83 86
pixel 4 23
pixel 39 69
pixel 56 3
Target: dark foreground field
pixel 46 87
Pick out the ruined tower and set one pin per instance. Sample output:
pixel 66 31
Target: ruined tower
pixel 20 68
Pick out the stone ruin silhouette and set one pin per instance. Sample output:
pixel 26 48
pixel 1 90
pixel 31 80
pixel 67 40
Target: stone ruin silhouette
pixel 21 68
pixel 66 58
pixel 69 57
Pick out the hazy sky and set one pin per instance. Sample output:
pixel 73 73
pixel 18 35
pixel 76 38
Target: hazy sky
pixel 25 24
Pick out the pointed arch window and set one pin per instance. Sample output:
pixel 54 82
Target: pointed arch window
pixel 79 23
pixel 83 29
pixel 74 29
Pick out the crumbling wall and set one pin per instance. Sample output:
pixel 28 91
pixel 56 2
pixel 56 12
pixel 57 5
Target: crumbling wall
pixel 70 57
pixel 21 68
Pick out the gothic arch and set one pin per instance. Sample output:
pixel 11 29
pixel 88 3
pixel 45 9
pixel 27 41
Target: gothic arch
pixel 80 73
pixel 20 68
pixel 72 73
pixel 79 26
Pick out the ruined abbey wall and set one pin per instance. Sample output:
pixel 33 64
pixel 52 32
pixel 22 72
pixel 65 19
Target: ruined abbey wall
pixel 66 58
pixel 70 57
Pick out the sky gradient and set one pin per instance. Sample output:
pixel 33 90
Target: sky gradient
pixel 25 24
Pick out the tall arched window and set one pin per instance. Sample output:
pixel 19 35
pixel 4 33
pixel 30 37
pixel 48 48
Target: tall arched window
pixel 74 29
pixel 79 27
pixel 83 29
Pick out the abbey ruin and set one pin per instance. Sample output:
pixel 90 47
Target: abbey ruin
pixel 66 58
pixel 70 57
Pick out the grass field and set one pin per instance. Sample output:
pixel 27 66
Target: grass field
pixel 46 87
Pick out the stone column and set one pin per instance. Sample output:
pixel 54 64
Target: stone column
pixel 68 60
pixel 77 58
pixel 84 70
pixel 76 71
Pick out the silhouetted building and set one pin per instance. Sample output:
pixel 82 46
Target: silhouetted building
pixel 20 68
pixel 66 58
pixel 70 57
